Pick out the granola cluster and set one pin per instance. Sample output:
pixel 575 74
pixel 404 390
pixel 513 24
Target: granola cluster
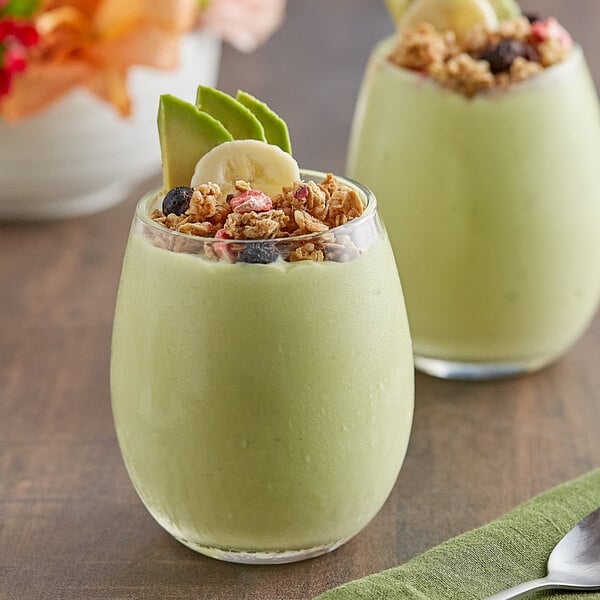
pixel 302 208
pixel 483 59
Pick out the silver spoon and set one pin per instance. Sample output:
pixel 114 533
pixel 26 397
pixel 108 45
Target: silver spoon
pixel 573 565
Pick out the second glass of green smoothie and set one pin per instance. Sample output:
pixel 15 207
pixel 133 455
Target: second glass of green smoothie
pixel 490 200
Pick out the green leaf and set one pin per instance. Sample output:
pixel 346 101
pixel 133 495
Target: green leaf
pixel 21 8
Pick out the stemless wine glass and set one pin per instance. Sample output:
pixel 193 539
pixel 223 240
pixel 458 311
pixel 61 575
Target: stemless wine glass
pixel 492 206
pixel 263 410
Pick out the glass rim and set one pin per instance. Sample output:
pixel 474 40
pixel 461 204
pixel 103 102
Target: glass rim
pixel 367 196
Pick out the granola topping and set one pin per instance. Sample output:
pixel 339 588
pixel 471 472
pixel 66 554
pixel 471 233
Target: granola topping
pixel 302 208
pixel 483 59
pixel 266 225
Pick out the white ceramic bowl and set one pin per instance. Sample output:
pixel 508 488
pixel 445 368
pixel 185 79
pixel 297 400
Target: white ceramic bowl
pixel 79 156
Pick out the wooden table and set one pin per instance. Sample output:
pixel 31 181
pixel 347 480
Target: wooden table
pixel 71 526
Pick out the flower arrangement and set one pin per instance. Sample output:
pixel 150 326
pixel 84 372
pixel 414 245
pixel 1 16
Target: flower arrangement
pixel 48 47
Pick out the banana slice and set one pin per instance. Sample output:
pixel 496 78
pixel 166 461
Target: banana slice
pixel 454 15
pixel 505 9
pixel 265 167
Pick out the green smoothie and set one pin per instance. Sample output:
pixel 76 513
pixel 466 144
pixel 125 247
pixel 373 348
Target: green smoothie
pixel 492 206
pixel 261 408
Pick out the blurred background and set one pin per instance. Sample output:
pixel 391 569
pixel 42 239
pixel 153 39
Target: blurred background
pixel 69 519
pixel 311 69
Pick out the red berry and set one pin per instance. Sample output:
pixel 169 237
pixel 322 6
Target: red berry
pixel 15 59
pixel 5 82
pixel 27 34
pixel 7 28
pixel 21 31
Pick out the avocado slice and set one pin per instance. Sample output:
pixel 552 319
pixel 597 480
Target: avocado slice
pixel 239 121
pixel 186 135
pixel 276 130
pixel 506 9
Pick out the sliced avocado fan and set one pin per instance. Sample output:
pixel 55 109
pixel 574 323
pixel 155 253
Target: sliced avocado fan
pixel 276 130
pixel 186 134
pixel 237 119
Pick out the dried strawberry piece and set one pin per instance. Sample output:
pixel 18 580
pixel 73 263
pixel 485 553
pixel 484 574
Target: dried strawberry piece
pixel 301 193
pixel 252 200
pixel 222 235
pixel 551 29
pixel 223 250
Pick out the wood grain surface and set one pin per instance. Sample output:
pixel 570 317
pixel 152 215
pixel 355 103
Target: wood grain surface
pixel 71 526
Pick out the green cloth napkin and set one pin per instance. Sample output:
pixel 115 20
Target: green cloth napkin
pixel 479 563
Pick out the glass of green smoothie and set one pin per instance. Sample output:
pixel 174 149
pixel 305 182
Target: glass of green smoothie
pixel 262 370
pixel 478 128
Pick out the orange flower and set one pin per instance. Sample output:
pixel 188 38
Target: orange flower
pixel 93 43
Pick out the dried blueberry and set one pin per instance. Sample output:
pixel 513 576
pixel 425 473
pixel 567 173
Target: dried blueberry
pixel 530 53
pixel 503 55
pixel 534 17
pixel 258 254
pixel 177 200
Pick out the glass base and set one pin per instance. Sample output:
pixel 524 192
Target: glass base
pixel 262 558
pixel 478 371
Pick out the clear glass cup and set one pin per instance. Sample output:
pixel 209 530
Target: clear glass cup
pixel 263 410
pixel 491 204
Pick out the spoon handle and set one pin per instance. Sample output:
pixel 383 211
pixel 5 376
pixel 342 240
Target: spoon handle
pixel 523 588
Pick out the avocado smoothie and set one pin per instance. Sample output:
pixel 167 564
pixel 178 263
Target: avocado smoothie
pixel 489 189
pixel 262 370
pixel 261 408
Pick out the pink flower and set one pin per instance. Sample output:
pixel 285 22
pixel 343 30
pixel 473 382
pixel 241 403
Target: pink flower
pixel 245 24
